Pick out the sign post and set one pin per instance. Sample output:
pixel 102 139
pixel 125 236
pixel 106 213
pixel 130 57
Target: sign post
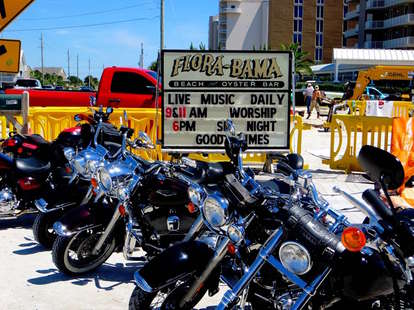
pixel 203 89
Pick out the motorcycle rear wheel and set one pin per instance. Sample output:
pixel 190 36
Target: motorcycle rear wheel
pixel 67 249
pixel 43 231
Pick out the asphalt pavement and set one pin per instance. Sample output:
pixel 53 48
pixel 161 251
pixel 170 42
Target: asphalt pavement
pixel 31 281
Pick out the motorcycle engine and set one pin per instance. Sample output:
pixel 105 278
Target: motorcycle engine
pixel 7 201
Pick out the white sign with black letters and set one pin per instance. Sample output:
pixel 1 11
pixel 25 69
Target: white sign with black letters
pixel 202 89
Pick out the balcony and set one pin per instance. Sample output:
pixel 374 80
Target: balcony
pixel 402 20
pixel 351 32
pixel 405 42
pixel 389 3
pixel 375 4
pixel 352 14
pixel 374 44
pixel 231 10
pixel 374 24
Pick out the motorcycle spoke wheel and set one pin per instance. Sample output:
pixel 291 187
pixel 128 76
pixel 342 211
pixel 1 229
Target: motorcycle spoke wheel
pixel 78 257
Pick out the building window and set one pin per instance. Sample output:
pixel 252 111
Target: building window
pixel 298 22
pixel 319 31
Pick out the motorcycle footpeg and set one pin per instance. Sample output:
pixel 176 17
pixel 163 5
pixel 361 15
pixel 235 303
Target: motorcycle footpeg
pixel 41 205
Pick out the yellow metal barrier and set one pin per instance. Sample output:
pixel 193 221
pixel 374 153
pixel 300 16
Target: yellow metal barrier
pixel 50 121
pixel 350 132
pixel 400 108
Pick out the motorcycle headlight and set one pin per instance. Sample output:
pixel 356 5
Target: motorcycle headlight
pixel 295 258
pixel 195 195
pixel 79 164
pixel 105 179
pixel 69 153
pixel 235 233
pixel 122 193
pixel 215 210
pixel 92 165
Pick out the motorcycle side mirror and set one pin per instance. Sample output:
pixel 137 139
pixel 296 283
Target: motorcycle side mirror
pixel 109 110
pixel 383 168
pixel 144 140
pixel 77 118
pixel 230 129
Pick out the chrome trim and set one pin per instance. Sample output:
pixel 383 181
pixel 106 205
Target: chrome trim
pixel 61 230
pixel 41 205
pixel 141 283
pixel 195 229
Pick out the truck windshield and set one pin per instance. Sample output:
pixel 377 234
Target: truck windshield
pixel 26 83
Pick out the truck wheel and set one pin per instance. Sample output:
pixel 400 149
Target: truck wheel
pixel 43 231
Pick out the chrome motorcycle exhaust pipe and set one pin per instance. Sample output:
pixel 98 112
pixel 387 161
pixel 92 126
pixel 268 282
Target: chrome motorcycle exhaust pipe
pixel 107 231
pixel 88 196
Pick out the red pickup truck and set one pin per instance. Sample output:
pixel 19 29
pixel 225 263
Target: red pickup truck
pixel 119 87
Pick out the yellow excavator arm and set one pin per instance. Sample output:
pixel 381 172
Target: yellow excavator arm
pixel 396 73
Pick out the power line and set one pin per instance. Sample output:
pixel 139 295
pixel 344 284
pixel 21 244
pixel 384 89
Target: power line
pixel 89 13
pixel 85 25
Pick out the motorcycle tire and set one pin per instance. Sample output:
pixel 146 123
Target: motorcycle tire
pixel 43 231
pixel 61 253
pixel 141 300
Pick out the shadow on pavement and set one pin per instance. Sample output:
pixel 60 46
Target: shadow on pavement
pixel 31 248
pixel 25 221
pixel 116 274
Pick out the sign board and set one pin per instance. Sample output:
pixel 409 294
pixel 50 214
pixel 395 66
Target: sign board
pixel 10 9
pixel 202 89
pixel 10 56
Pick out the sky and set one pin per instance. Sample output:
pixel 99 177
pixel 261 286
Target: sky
pixel 113 44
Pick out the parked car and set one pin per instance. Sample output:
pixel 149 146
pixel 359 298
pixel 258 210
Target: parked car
pixel 59 88
pixel 120 87
pixel 27 84
pixel 48 87
pixel 86 88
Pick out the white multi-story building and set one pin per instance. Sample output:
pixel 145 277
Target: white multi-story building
pixel 242 25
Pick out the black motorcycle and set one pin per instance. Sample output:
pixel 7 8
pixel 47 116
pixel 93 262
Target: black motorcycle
pixel 81 162
pixel 295 252
pixel 150 199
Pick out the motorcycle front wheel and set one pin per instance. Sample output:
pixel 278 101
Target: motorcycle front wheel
pixel 73 255
pixel 166 299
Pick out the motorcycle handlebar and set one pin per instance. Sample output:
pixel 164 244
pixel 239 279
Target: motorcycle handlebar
pixel 314 232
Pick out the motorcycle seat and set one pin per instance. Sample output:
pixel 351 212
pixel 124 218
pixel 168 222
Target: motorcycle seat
pixel 207 173
pixel 32 166
pixel 37 139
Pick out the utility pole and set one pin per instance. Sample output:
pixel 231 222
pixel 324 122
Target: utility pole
pixel 77 66
pixel 68 63
pixel 89 75
pixel 41 56
pixel 141 58
pixel 162 26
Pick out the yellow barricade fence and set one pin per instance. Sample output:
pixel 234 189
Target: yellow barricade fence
pixel 50 121
pixel 350 132
pixel 400 108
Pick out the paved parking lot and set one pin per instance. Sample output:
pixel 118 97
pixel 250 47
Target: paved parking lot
pixel 30 280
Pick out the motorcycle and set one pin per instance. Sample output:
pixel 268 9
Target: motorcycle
pixel 278 251
pixel 82 163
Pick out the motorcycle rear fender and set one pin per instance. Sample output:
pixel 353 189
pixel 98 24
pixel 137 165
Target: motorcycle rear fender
pixel 173 264
pixel 82 218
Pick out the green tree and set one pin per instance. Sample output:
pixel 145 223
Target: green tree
pixel 93 80
pixel 75 81
pixel 153 66
pixel 302 62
